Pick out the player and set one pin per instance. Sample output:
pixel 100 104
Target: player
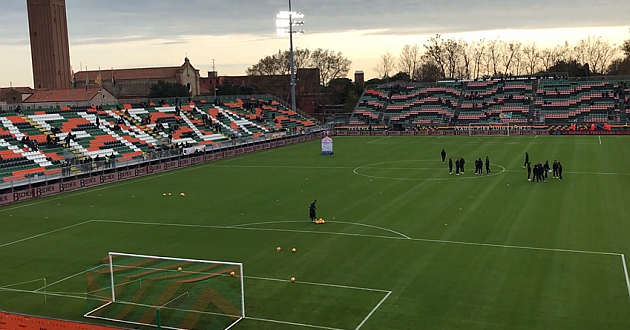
pixel 529 172
pixel 487 165
pixel 311 211
pixel 559 171
pixel 457 165
pixel 450 166
pixel 443 155
pixel 546 169
pixel 461 164
pixel 526 160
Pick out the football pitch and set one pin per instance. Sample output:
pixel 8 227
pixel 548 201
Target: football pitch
pixel 405 245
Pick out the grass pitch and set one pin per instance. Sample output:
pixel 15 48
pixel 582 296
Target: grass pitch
pixel 406 245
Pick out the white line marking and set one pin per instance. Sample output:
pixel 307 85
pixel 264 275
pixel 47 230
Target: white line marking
pixel 25 282
pixel 284 166
pixel 625 271
pixel 234 323
pixel 44 234
pixel 129 322
pixel 364 235
pixel 318 284
pixel 170 301
pixel 373 310
pixel 97 309
pixel 330 221
pixel 69 277
pixel 52 294
pixel 600 139
pixel 375 165
pixel 291 323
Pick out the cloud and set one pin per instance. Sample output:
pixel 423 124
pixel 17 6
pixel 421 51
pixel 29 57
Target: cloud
pixel 149 19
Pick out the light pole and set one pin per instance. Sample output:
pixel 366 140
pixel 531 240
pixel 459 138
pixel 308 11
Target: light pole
pixel 285 23
pixel 291 63
pixel 214 80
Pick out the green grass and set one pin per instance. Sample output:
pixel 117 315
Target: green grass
pixel 402 189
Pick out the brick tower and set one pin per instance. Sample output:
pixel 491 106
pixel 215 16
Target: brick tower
pixel 50 51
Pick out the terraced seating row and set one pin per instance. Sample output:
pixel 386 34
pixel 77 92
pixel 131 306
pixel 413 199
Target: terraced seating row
pixel 501 100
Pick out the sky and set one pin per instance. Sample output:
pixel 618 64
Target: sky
pixel 236 33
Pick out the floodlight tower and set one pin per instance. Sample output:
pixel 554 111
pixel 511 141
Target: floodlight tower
pixel 290 22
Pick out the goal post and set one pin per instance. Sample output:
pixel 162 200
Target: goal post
pixel 167 292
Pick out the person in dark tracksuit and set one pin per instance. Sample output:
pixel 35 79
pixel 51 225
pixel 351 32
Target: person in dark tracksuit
pixel 487 165
pixel 555 169
pixel 450 166
pixel 457 166
pixel 546 169
pixel 526 159
pixel 559 171
pixel 461 164
pixel 529 172
pixel 443 154
pixel 311 211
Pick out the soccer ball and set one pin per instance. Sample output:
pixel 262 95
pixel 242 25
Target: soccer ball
pixel 170 194
pixel 292 279
pixel 293 250
pixel 278 249
pixel 182 194
pixel 179 269
pixel 163 194
pixel 232 274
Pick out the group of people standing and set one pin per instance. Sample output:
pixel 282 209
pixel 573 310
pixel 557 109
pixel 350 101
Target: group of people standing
pixel 541 171
pixel 460 165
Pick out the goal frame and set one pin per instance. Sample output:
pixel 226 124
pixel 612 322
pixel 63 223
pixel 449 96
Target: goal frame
pixel 111 255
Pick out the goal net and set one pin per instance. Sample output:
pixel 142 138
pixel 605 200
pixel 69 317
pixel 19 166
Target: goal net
pixel 169 293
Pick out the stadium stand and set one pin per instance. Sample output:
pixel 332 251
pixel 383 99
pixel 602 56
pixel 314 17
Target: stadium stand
pixel 517 101
pixel 41 141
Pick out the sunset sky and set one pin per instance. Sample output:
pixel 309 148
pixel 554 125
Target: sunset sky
pixel 236 33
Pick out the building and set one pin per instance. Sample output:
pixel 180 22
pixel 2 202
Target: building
pixel 308 89
pixel 50 51
pixel 137 83
pixel 359 79
pixel 15 95
pixel 72 97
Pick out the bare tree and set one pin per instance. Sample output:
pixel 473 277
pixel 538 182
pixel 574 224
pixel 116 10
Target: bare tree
pixel 385 65
pixel 510 51
pixel 494 56
pixel 409 60
pixel 478 50
pixel 549 58
pixel 452 51
pixel 595 51
pixel 331 65
pixel 467 52
pixel 532 58
pixel 434 50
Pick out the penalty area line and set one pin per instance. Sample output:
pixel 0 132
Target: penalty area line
pixel 625 271
pixel 373 310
